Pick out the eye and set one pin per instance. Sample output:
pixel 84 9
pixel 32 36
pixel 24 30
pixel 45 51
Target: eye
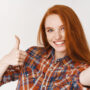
pixel 49 30
pixel 62 28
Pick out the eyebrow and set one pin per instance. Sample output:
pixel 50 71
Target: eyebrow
pixel 48 27
pixel 52 27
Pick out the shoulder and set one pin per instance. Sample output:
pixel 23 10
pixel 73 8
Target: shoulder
pixel 36 50
pixel 81 66
pixel 78 68
pixel 74 70
pixel 34 54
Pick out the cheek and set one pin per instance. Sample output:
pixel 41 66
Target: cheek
pixel 63 35
pixel 49 37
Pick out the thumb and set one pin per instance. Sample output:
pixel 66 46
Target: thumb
pixel 17 42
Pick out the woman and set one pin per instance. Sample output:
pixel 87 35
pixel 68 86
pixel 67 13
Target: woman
pixel 63 61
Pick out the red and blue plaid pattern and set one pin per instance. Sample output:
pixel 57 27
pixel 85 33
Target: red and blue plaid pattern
pixel 42 72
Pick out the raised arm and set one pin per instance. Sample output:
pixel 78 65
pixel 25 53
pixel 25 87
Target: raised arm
pixel 11 63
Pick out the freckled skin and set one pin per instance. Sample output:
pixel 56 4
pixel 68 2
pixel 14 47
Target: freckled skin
pixel 55 33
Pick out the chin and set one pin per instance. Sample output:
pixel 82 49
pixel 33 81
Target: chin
pixel 59 50
pixel 63 49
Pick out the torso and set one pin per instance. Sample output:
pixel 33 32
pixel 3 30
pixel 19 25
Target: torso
pixel 42 73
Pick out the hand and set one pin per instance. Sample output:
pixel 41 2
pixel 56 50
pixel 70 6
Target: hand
pixel 16 56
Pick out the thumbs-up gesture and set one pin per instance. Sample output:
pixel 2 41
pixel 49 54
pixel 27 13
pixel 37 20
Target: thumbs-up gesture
pixel 16 56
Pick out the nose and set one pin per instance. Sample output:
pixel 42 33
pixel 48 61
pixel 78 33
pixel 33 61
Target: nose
pixel 57 35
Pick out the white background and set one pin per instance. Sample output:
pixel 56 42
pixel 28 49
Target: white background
pixel 23 17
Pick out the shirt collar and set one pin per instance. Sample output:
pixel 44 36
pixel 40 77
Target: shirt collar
pixel 51 53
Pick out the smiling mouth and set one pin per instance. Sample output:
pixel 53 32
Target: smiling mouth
pixel 59 43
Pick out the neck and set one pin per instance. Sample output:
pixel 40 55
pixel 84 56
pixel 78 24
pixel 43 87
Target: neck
pixel 59 54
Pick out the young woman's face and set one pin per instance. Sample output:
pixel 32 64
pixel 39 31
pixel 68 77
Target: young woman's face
pixel 55 32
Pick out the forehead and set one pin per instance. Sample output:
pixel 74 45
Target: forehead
pixel 53 20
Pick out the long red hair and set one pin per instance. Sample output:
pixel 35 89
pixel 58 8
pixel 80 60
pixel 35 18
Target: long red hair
pixel 75 40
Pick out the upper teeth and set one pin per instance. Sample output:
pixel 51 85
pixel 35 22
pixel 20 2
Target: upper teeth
pixel 59 42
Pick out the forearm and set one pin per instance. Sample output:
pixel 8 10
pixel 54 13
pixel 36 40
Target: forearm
pixel 3 66
pixel 85 77
pixel 8 72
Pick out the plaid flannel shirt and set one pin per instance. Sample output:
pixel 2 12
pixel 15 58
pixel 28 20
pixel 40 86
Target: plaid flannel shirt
pixel 42 72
